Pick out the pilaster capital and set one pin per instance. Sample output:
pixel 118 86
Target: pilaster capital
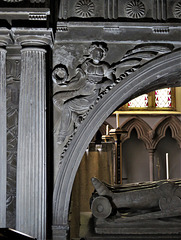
pixel 5 37
pixel 33 37
pixel 33 49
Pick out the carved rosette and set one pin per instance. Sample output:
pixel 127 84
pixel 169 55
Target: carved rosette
pixel 84 8
pixel 177 10
pixel 135 9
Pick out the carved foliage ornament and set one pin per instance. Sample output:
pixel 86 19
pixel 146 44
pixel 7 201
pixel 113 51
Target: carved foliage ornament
pixel 177 10
pixel 84 8
pixel 135 9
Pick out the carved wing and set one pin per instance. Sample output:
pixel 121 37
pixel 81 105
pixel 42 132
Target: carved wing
pixel 139 55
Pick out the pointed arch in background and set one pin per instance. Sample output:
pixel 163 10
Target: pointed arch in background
pixel 160 129
pixel 142 128
pixel 161 72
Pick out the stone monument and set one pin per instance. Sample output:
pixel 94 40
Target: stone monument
pixel 139 208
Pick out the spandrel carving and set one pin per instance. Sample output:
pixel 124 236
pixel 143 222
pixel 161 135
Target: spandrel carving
pixel 76 95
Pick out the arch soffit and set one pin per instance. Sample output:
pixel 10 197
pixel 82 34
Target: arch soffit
pixel 152 75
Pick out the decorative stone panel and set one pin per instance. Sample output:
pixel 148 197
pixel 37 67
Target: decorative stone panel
pixel 13 84
pixel 3 141
pixel 150 10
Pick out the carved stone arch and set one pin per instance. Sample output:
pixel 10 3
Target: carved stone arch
pixel 142 128
pixel 160 129
pixel 160 72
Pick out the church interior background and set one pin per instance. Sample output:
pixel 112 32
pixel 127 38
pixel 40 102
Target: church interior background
pixel 75 75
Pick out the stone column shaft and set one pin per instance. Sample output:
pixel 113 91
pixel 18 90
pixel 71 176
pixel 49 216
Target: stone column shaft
pixel 31 156
pixel 151 164
pixel 117 135
pixel 3 138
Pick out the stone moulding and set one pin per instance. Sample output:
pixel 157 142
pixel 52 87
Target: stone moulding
pixel 150 10
pixel 31 1
pixel 161 30
pixel 150 76
pixel 13 1
pixel 36 16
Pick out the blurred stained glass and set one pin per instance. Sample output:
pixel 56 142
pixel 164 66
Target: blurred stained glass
pixel 163 98
pixel 139 102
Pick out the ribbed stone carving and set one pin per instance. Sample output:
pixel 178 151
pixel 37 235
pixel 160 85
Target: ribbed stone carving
pixel 3 140
pixel 31 156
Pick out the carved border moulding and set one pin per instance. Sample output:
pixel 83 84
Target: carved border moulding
pixel 39 17
pixel 61 27
pixel 37 1
pixel 31 1
pixel 84 8
pixel 113 30
pixel 161 30
pixel 177 10
pixel 135 9
pixel 13 1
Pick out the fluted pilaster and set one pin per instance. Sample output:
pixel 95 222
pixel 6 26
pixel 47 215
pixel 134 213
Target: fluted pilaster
pixel 31 165
pixel 3 139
